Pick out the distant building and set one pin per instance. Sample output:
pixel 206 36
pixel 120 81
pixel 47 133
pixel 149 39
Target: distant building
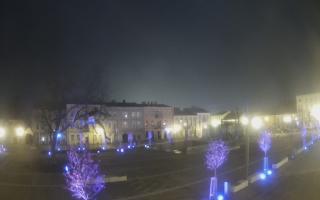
pixel 96 125
pixel 278 123
pixel 192 122
pixel 304 105
pixel 15 132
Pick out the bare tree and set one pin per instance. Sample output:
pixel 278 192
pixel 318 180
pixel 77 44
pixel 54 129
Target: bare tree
pixel 63 89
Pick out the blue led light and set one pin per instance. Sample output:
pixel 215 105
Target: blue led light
pixel 59 135
pixel 269 172
pixel 262 176
pixel 59 149
pixel 220 197
pixel 305 148
pixel 98 151
pixel 121 150
pixel 49 153
pixel 118 150
pixel 66 168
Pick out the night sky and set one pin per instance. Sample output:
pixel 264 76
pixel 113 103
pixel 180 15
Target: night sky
pixel 216 54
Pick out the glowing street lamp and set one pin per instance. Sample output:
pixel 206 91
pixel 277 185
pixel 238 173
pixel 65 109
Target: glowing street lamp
pixel 2 132
pixel 215 123
pixel 287 119
pixel 19 131
pixel 256 123
pixel 244 120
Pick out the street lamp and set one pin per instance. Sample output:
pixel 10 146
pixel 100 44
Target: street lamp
pixel 215 123
pixel 287 119
pixel 19 131
pixel 2 132
pixel 256 123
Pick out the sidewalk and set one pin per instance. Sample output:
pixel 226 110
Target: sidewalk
pixel 299 179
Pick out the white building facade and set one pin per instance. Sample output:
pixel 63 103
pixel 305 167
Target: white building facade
pixel 305 104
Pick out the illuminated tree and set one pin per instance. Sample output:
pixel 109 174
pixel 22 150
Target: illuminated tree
pixel 304 136
pixel 216 155
pixel 265 145
pixel 82 176
pixel 265 142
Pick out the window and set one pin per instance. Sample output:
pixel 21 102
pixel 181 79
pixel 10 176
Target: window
pixel 72 138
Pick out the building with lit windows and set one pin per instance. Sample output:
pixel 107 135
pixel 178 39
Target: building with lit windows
pixel 192 122
pixel 305 104
pixel 116 122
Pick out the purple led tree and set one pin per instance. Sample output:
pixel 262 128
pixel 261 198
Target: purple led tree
pixel 82 176
pixel 304 137
pixel 216 155
pixel 265 145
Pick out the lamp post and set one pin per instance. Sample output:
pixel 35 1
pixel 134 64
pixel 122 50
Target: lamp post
pixel 256 123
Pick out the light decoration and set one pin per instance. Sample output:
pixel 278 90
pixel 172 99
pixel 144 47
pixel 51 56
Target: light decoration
pixel 220 197
pixel 130 139
pixel 265 145
pixel 59 135
pixel 265 142
pixel 304 137
pixel 216 155
pixel 2 148
pixel 82 176
pixel 150 136
pixel 262 176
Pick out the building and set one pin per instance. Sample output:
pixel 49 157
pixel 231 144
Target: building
pixel 115 123
pixel 305 104
pixel 279 123
pixel 191 122
pixel 15 132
